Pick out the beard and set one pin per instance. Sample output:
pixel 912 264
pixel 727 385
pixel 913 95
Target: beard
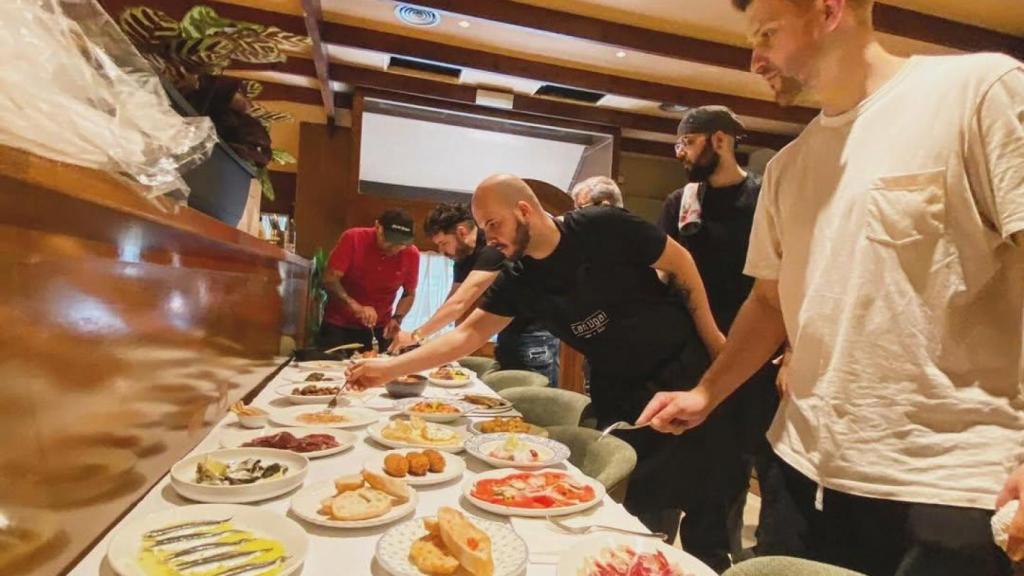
pixel 704 166
pixel 462 250
pixel 520 242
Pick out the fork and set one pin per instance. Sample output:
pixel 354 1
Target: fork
pixel 621 425
pixel 374 345
pixel 334 401
pixel 580 530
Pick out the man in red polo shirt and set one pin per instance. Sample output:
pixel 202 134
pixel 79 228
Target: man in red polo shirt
pixel 363 275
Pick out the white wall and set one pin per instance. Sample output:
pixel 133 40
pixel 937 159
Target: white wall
pixel 411 152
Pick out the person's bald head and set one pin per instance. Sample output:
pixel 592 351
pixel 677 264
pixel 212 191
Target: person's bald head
pixel 505 207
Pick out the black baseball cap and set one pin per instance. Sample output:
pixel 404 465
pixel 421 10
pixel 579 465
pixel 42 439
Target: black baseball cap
pixel 397 226
pixel 710 119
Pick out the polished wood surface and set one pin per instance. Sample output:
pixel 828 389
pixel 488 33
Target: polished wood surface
pixel 129 325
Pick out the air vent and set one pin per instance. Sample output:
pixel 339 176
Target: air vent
pixel 407 64
pixel 570 93
pixel 416 16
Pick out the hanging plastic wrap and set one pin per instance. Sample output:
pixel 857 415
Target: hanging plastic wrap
pixel 74 89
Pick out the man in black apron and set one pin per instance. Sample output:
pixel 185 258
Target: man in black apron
pixel 591 280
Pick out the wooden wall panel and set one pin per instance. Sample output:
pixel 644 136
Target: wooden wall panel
pixel 128 328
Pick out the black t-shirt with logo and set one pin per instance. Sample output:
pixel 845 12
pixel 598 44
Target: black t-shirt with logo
pixel 719 247
pixel 489 259
pixel 598 293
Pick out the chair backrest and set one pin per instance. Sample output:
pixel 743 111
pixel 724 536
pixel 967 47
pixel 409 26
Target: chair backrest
pixel 503 379
pixel 610 460
pixel 547 406
pixel 785 566
pixel 482 365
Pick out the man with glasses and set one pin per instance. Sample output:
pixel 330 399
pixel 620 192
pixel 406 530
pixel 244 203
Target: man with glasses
pixel 711 216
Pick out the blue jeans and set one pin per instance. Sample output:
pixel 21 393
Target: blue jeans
pixel 533 351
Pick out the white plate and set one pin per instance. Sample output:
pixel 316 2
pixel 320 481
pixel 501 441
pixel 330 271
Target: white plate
pixel 551 452
pixel 334 376
pixel 307 501
pixel 443 383
pixel 572 562
pixel 235 438
pixel 285 391
pixel 454 467
pixel 322 365
pixel 356 417
pixel 535 430
pixel 507 548
pixel 467 491
pixel 126 542
pixel 183 475
pixel 405 406
pixel 375 433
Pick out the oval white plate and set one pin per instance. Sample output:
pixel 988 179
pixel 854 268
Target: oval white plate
pixel 507 548
pixel 307 501
pixel 467 491
pixel 405 406
pixel 356 417
pixel 123 552
pixel 443 383
pixel 183 475
pixel 479 410
pixel 535 430
pixel 375 433
pixel 323 365
pixel 551 451
pixel 454 467
pixel 285 391
pixel 572 562
pixel 235 438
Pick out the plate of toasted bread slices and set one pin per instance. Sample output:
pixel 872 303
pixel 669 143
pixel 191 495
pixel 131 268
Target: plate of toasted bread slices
pixel 451 543
pixel 355 501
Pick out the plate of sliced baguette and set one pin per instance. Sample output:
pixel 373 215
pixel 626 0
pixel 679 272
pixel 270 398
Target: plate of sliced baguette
pixel 355 501
pixel 451 543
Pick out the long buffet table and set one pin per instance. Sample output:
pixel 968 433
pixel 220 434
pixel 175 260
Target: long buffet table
pixel 351 552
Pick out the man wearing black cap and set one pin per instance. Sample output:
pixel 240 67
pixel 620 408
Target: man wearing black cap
pixel 363 275
pixel 711 217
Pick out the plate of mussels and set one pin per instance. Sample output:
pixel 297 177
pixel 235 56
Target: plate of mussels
pixel 238 475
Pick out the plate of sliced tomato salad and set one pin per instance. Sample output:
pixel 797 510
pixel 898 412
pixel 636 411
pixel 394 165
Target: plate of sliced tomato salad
pixel 538 493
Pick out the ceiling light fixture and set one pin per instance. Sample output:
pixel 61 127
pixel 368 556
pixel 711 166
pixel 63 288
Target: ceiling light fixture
pixel 620 54
pixel 464 23
pixel 673 108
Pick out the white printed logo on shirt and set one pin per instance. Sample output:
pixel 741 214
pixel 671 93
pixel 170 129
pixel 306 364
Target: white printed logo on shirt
pixel 591 326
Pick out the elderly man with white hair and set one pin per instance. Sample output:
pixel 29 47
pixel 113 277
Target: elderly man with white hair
pixel 596 191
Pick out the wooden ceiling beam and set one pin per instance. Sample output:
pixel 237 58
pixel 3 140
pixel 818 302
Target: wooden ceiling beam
pixel 889 19
pixel 367 39
pixel 312 14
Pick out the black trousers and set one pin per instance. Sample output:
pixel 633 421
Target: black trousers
pixel 332 335
pixel 710 473
pixel 881 537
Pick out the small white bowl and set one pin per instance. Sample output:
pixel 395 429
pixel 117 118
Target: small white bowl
pixel 253 421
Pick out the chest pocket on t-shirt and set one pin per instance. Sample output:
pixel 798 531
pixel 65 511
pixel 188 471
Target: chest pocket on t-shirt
pixel 906 208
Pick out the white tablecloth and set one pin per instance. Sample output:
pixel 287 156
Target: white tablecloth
pixel 350 552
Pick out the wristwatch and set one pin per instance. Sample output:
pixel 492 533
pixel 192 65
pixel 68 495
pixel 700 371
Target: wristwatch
pixel 416 336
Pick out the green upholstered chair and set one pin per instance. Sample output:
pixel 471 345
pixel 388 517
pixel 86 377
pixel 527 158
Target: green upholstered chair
pixel 479 364
pixel 786 566
pixel 609 460
pixel 503 379
pixel 546 406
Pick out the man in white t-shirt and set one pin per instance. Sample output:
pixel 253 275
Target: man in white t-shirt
pixel 888 245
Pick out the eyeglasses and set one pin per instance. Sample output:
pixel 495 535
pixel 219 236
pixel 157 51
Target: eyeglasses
pixel 688 142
